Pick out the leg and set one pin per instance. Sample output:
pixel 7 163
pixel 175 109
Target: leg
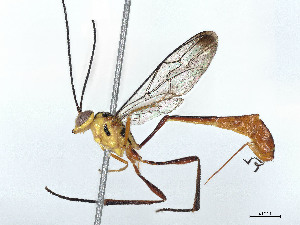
pixel 69 198
pixel 189 159
pixel 121 160
pixel 152 187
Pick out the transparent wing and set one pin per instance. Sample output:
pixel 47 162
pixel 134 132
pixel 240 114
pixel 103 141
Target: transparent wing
pixel 175 76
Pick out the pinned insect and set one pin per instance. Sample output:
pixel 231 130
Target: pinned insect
pixel 160 94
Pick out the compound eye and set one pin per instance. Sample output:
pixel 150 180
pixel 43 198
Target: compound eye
pixel 83 117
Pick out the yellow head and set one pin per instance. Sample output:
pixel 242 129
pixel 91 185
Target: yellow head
pixel 83 121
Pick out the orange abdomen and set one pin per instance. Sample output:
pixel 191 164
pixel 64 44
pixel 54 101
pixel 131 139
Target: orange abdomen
pixel 262 143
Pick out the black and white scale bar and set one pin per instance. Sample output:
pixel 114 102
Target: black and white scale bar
pixel 267 216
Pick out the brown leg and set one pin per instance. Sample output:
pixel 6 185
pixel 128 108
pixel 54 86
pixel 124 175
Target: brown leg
pixel 70 198
pixel 152 187
pixel 185 160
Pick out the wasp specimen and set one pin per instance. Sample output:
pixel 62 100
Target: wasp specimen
pixel 160 94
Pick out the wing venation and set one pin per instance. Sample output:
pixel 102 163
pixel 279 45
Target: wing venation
pixel 175 76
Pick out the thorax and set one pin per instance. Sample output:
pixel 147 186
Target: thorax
pixel 109 132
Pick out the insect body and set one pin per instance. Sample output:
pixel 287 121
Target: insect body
pixel 160 94
pixel 108 131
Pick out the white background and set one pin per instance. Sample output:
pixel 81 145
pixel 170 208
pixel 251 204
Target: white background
pixel 256 70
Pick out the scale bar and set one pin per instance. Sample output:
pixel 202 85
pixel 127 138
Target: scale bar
pixel 267 216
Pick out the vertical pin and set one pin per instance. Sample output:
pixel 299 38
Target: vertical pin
pixel 113 106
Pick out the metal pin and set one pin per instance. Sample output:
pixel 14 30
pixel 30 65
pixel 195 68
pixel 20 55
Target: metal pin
pixel 113 106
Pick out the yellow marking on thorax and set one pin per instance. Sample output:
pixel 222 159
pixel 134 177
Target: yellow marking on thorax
pixel 108 130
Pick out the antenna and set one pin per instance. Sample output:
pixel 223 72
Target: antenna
pixel 90 65
pixel 79 107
